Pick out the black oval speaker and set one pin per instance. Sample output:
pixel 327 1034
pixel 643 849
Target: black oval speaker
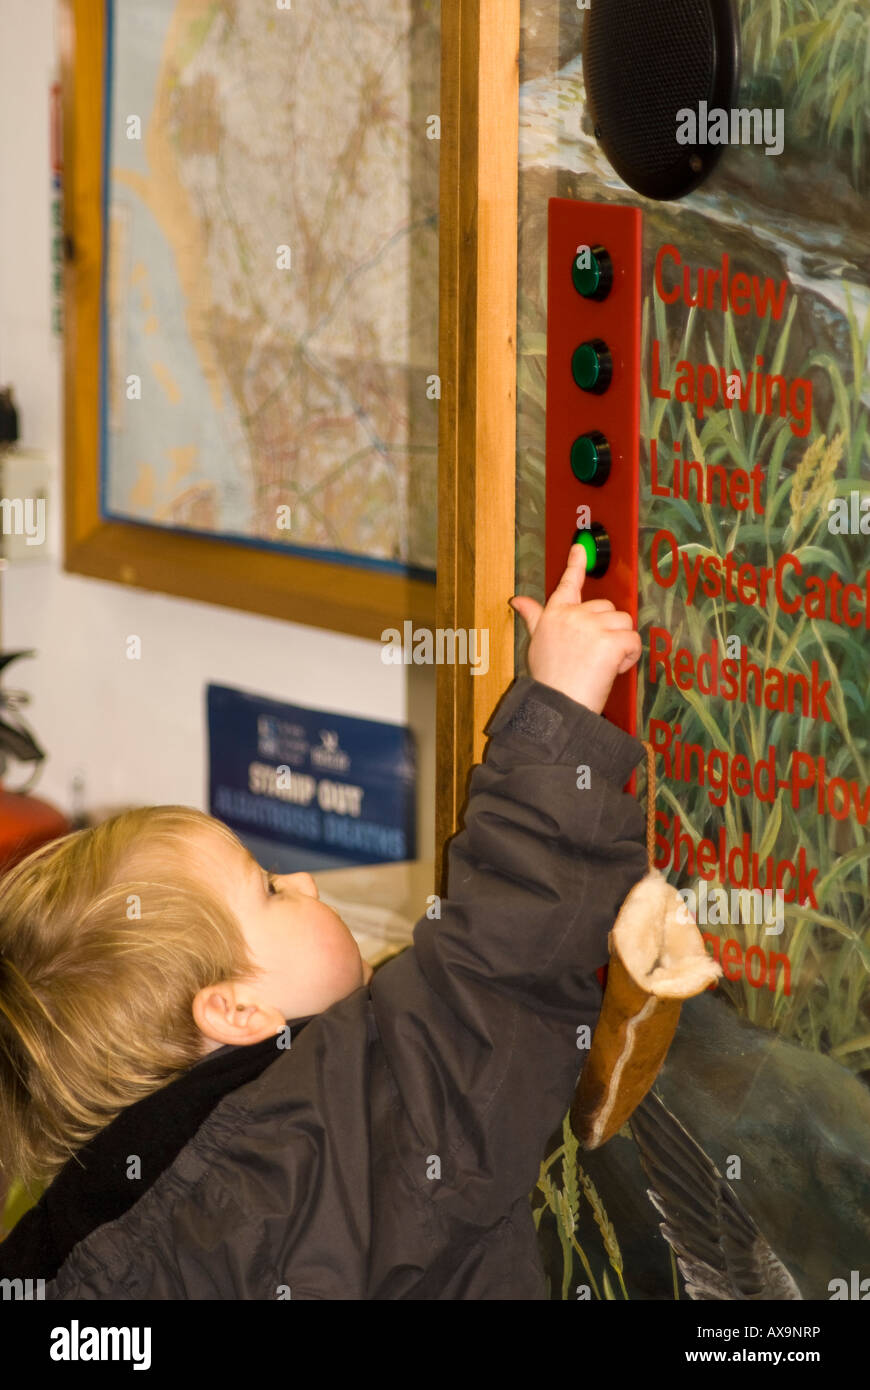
pixel 643 62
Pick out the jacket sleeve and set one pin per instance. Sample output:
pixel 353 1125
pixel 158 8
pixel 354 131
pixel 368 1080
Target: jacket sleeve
pixel 479 1019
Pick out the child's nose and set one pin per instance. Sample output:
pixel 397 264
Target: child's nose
pixel 304 882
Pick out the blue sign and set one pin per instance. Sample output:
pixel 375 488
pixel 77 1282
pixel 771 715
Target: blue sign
pixel 340 789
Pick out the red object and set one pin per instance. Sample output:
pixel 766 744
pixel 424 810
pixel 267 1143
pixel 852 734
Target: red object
pixel 25 824
pixel 572 320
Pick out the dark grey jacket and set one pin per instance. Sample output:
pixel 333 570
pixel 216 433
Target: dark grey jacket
pixel 391 1151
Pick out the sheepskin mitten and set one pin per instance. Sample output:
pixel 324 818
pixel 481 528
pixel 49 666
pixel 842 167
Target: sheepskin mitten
pixel 657 959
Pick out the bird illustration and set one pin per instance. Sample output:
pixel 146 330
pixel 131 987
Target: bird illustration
pixel 720 1251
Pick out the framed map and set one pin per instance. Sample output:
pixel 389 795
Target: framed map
pixel 251 209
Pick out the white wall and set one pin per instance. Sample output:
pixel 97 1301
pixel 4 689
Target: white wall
pixel 135 729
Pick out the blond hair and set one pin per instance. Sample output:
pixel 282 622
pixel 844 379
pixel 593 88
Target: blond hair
pixel 106 936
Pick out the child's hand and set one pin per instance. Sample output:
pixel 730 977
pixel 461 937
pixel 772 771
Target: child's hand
pixel 578 648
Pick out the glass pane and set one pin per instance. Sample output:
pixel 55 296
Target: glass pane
pixel 272 235
pixel 755 383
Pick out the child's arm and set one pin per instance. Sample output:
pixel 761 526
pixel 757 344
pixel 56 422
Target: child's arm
pixel 480 1020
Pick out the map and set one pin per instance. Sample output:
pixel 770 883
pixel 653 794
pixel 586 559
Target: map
pixel 271 291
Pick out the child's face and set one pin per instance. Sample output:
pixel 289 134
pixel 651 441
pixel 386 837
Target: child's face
pixel 307 956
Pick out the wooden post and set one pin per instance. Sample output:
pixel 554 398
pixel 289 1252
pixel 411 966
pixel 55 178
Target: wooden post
pixel 477 365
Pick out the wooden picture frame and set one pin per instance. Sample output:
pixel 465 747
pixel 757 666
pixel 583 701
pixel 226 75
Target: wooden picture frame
pixel 347 598
pixel 477 420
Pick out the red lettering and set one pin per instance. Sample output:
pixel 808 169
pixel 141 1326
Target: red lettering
pixel 775 958
pixel 755 953
pixel 665 252
pixel 656 372
pixel 741 294
pixel 731 957
pixel 765 297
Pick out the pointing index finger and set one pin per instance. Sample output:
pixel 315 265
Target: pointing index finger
pixel 569 588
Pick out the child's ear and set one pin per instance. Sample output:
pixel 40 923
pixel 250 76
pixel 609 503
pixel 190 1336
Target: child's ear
pixel 228 1014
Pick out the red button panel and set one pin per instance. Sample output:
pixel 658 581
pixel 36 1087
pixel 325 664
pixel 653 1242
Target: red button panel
pixel 576 232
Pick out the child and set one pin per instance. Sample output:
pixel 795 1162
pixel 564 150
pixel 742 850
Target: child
pixel 231 1106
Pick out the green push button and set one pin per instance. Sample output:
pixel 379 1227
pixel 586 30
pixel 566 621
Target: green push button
pixel 592 366
pixel 590 458
pixel 596 543
pixel 592 272
pixel 588 543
